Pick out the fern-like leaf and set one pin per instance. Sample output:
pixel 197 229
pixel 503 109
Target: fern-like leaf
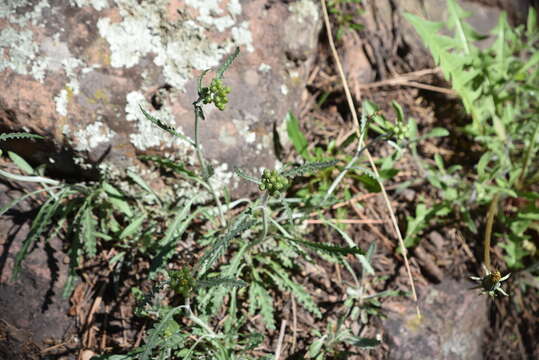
pixel 243 175
pixel 328 248
pixel 218 281
pixel 220 246
pixel 309 167
pixel 88 231
pixel 40 223
pixel 282 279
pixel 227 63
pixel 12 136
pixel 169 129
pixel 260 299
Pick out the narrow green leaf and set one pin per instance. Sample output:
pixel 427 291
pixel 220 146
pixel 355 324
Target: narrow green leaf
pixel 436 132
pixel 296 136
pixel 21 163
pixel 37 179
pixel 364 343
pixel 133 227
pixel 140 182
pixel 117 199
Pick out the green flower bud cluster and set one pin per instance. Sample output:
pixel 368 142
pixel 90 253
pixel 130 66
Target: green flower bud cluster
pixel 399 131
pixel 273 182
pixel 181 281
pixel 216 93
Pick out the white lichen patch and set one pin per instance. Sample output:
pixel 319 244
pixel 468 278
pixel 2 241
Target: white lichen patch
pixel 96 4
pixel 221 177
pixel 242 36
pixel 71 65
pixel 208 9
pixel 264 68
pixel 243 128
pixel 129 40
pixel 93 135
pixel 8 11
pixel 147 135
pixel 284 89
pixel 234 7
pixel 306 11
pixel 179 48
pixel 61 101
pixel 18 50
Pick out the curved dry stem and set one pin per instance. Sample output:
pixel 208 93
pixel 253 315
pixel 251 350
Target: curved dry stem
pixel 371 161
pixel 492 210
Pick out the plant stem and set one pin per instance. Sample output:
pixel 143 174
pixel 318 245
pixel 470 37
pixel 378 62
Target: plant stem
pixel 350 164
pixel 492 210
pixel 205 172
pixel 371 160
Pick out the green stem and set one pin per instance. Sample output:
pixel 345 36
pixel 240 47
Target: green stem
pixel 205 173
pixel 492 210
pixel 350 165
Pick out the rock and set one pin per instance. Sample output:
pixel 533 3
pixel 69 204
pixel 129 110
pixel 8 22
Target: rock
pixel 81 71
pixel 33 309
pixel 389 31
pixel 452 325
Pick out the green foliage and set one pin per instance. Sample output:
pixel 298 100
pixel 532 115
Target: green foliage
pixel 498 87
pixel 345 12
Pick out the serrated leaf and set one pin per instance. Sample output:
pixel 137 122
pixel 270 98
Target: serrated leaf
pixel 87 231
pixel 174 232
pixel 19 135
pixel 362 259
pixel 329 248
pixel 229 60
pixel 309 167
pixel 169 129
pixel 259 298
pixel 218 281
pixel 219 247
pixel 243 175
pixel 157 332
pixel 39 224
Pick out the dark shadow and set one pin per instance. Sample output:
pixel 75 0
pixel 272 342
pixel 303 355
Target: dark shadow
pixel 55 271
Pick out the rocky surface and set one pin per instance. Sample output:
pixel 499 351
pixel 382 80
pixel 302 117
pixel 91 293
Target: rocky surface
pixel 451 328
pixel 76 71
pixel 34 314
